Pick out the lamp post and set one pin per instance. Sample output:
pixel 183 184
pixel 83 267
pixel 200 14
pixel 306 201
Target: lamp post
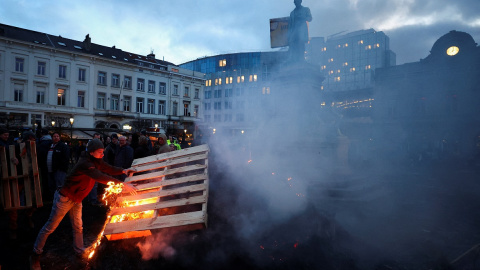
pixel 53 123
pixel 71 127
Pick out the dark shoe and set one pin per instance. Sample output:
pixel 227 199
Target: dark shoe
pixel 35 261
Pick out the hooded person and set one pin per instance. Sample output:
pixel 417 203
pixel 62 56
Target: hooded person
pixel 162 141
pixel 89 169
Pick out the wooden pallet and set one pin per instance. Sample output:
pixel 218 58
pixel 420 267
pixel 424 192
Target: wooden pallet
pixel 14 186
pixel 176 185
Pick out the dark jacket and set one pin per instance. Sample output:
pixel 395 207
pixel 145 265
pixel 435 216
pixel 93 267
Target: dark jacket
pixel 60 157
pixel 81 179
pixel 110 152
pixel 124 157
pixel 141 151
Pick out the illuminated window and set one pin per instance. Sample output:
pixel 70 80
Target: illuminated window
pixel 222 62
pixel 368 47
pixel 345 64
pixel 338 70
pixel 330 60
pixel 324 49
pixel 229 80
pixel 368 67
pixel 323 103
pixel 240 79
pixel 352 69
pixel 208 83
pixel 346 45
pixel 323 67
pixel 377 45
pixel 253 78
pixel 360 42
pixel 337 79
pixel 339 46
pixel 321 88
pixel 266 90
pixel 330 72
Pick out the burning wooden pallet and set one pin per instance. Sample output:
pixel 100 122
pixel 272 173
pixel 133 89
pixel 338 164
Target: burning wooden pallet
pixel 16 189
pixel 173 193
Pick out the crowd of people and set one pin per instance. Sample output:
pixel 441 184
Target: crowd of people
pixel 70 174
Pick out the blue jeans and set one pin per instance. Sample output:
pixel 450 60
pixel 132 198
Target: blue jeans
pixel 56 180
pixel 61 206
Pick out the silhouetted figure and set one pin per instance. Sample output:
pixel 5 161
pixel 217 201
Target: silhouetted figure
pixel 298 31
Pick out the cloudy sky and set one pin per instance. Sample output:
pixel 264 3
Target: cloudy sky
pixel 183 30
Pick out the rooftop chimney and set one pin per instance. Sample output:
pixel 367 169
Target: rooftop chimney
pixel 151 55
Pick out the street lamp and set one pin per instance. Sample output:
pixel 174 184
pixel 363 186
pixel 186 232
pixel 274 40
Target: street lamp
pixel 156 127
pixel 53 123
pixel 71 127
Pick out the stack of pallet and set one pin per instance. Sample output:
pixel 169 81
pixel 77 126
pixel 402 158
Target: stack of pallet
pixel 20 183
pixel 173 193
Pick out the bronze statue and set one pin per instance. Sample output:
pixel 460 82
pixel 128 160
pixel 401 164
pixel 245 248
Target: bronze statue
pixel 298 31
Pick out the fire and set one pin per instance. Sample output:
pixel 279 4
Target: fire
pixel 137 215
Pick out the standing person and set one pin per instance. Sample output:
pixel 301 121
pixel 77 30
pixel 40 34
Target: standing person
pixel 111 150
pixel 123 156
pixel 162 141
pixel 43 146
pixel 142 149
pixel 93 195
pixel 57 163
pixel 149 142
pixel 89 169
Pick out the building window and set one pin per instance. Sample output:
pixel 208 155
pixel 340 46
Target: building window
pixel 41 95
pixel 82 74
pixel 102 78
pixel 240 117
pixel 186 109
pixel 240 79
pixel 41 68
pixel 208 94
pixel 151 106
pixel 367 67
pixel 141 84
pixel 175 90
pixel 253 78
pixel 207 106
pixel 208 83
pixel 218 81
pixel 162 88
pixel 19 64
pixel 229 80
pixel 61 97
pixel 239 92
pixel 127 103
pixel 62 71
pixel 217 93
pixel 197 93
pixel 227 118
pixel 217 105
pixel 217 118
pixel 101 101
pixel 186 91
pixel 222 62
pixel 81 99
pixel 18 92
pixel 208 118
pixel 115 80
pixel 195 111
pixel 127 82
pixel 174 108
pixel 151 86
pixel 161 107
pixel 240 105
pixel 228 105
pixel 140 102
pixel 266 90
pixel 228 92
pixel 115 103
